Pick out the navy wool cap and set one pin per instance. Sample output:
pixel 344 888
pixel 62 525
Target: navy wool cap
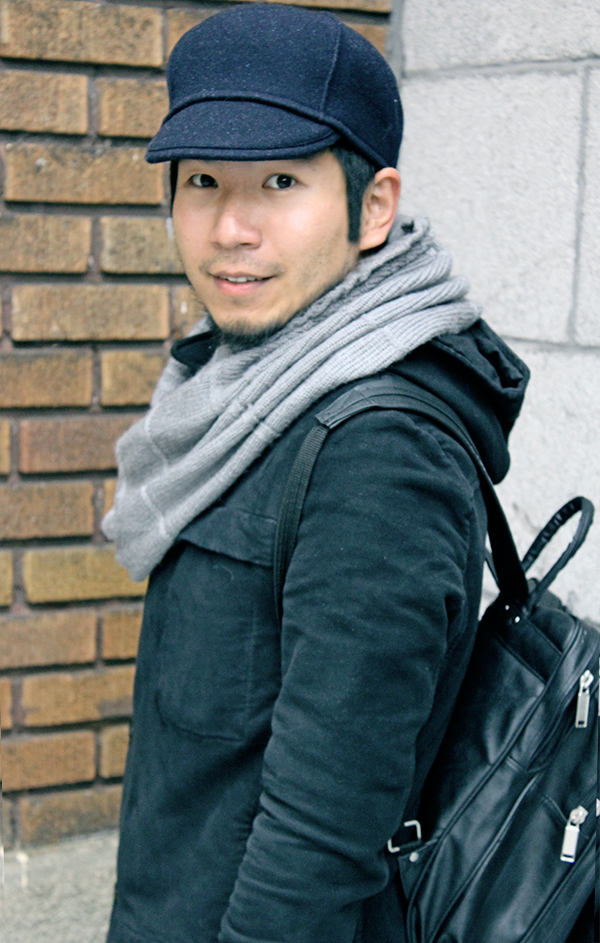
pixel 269 82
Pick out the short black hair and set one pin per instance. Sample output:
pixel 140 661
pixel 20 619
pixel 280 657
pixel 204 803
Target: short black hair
pixel 358 172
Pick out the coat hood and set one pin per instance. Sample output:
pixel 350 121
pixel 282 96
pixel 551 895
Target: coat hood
pixel 482 379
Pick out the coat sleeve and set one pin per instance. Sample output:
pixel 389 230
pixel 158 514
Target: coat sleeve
pixel 382 580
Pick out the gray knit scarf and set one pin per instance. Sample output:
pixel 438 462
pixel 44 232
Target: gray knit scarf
pixel 203 430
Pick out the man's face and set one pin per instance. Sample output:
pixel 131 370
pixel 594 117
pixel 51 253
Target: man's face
pixel 261 240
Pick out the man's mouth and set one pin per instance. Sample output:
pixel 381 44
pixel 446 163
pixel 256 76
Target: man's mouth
pixel 239 284
pixel 237 278
pixel 240 279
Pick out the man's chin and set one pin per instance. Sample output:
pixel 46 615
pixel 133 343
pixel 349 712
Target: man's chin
pixel 242 337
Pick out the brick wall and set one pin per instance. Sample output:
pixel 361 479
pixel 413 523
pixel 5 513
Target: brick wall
pixel 92 295
pixel 501 151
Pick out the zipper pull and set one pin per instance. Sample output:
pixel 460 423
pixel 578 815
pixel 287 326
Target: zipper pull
pixel 583 699
pixel 571 836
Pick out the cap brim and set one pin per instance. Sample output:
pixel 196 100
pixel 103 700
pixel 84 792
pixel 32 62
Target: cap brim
pixel 238 130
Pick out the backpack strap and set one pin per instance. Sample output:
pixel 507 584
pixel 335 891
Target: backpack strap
pixel 391 391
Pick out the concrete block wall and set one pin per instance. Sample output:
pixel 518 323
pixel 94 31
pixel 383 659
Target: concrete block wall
pixel 502 152
pixel 92 295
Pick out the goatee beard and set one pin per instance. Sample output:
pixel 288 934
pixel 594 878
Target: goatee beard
pixel 238 341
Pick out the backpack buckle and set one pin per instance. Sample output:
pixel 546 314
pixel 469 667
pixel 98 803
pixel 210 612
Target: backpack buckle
pixel 394 849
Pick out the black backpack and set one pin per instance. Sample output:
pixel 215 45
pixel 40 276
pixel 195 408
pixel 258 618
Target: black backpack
pixel 504 847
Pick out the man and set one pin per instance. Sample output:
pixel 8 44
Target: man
pixel 270 763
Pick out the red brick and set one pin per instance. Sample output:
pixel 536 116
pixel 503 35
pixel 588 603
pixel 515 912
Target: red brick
pixel 129 377
pixel 4 446
pixel 364 6
pixel 5 704
pixel 46 819
pixel 7 824
pixel 43 101
pixel 121 632
pixel 71 444
pixel 90 312
pixel 375 33
pixel 45 378
pixel 63 574
pixel 6 577
pixel 132 108
pixel 63 173
pixel 138 245
pixel 188 310
pixel 53 509
pixel 75 31
pixel 55 760
pixel 39 243
pixel 114 742
pixel 74 697
pixel 50 638
pixel 110 486
pixel 180 21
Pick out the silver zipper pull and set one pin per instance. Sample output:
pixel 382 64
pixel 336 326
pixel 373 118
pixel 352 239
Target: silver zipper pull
pixel 571 836
pixel 583 699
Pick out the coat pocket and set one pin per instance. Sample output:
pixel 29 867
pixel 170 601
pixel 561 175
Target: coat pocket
pixel 219 647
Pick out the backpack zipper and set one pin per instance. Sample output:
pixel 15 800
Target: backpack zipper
pixel 583 699
pixel 562 720
pixel 577 817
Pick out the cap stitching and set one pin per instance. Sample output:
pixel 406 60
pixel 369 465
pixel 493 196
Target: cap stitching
pixel 332 67
pixel 258 98
pixel 172 151
pixel 286 105
pixel 179 150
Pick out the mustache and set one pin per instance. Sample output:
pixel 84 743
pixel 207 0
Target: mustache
pixel 241 261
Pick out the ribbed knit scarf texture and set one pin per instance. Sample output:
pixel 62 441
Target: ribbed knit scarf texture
pixel 204 430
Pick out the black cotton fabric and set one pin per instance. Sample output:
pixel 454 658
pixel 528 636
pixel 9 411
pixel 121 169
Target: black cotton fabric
pixel 269 765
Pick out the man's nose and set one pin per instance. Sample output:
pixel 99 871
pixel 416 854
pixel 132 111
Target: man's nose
pixel 236 225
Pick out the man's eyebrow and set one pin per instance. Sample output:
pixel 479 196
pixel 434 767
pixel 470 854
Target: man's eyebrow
pixel 301 158
pixel 310 157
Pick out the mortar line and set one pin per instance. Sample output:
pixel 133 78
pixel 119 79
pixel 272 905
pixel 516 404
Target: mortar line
pixel 466 70
pixel 579 206
pixel 395 41
pixel 566 346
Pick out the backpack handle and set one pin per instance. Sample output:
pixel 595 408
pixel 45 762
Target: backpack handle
pixel 575 505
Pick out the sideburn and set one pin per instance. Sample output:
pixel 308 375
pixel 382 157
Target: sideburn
pixel 173 171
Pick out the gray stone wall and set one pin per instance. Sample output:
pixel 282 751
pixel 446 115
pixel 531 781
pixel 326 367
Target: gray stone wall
pixel 502 152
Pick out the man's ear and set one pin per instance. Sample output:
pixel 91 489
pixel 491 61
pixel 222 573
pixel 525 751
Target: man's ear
pixel 380 204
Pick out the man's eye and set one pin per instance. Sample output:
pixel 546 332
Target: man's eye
pixel 280 182
pixel 203 180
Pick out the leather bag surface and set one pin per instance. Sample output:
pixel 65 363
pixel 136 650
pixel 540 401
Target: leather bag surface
pixel 512 770
pixel 506 849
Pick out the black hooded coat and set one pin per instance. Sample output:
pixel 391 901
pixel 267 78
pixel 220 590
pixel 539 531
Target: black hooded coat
pixel 269 765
